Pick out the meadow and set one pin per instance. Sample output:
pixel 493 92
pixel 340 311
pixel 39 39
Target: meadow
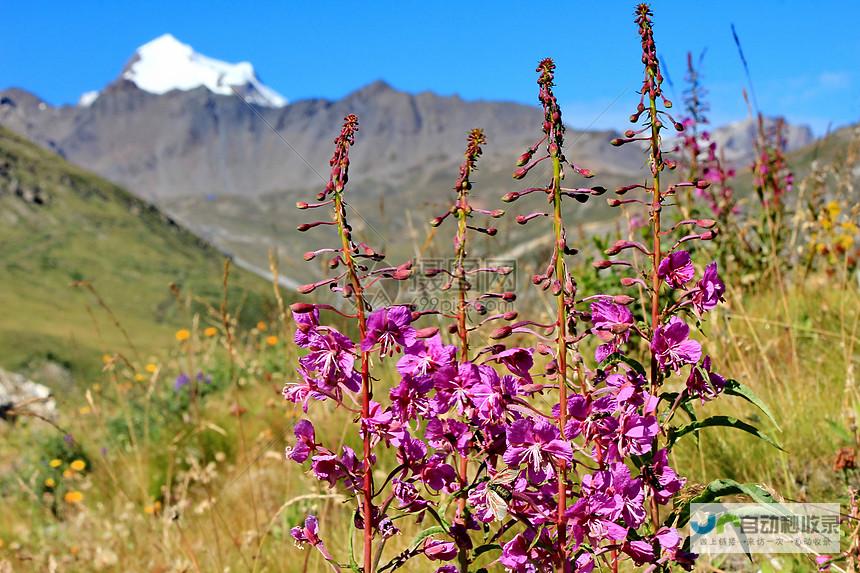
pixel 179 451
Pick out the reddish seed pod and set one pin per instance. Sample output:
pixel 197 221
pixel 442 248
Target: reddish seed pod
pixel 491 231
pixel 501 332
pixel 306 289
pixel 302 307
pixel 509 296
pixel 602 264
pixel 304 227
pixel 428 332
pixel 309 256
pixel 512 315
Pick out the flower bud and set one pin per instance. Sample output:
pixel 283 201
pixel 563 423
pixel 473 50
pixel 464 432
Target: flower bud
pixel 309 256
pixel 511 315
pixel 301 205
pixel 602 264
pixel 510 197
pixel 524 158
pixel 509 296
pixel 622 298
pixel 302 307
pixel 520 173
pixel 428 332
pixel 501 332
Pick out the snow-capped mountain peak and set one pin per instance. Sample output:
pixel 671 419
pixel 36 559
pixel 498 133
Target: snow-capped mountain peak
pixel 166 64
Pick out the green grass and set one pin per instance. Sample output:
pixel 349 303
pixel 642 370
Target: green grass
pixel 91 230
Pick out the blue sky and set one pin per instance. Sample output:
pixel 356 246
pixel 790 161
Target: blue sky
pixel 804 56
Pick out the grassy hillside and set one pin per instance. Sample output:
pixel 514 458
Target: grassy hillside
pixel 60 224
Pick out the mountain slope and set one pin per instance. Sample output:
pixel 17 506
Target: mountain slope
pixel 60 224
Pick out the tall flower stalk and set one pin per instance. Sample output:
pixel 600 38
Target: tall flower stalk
pixel 556 276
pixel 339 177
pixel 463 210
pixel 669 345
pixel 328 369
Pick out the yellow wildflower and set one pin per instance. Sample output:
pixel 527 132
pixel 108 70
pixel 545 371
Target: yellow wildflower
pixel 73 497
pixel 139 377
pixel 261 326
pixel 68 474
pixel 84 410
pixel 55 463
pixel 271 340
pixel 50 483
pixel 151 368
pixel 78 465
pixel 183 334
pixel 210 331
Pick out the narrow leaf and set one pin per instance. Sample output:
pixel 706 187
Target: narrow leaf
pixel 717 489
pixel 720 422
pixel 735 388
pixel 435 530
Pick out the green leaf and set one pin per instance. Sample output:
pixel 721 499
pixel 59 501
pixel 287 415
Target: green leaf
pixel 614 358
pixel 353 565
pixel 840 431
pixel 719 422
pixel 714 491
pixel 735 388
pixel 486 547
pixel 435 530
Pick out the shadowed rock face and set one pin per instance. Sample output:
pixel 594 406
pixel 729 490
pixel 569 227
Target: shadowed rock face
pixel 196 143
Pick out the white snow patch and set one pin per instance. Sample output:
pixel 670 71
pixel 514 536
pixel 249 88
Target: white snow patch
pixel 166 64
pixel 87 98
